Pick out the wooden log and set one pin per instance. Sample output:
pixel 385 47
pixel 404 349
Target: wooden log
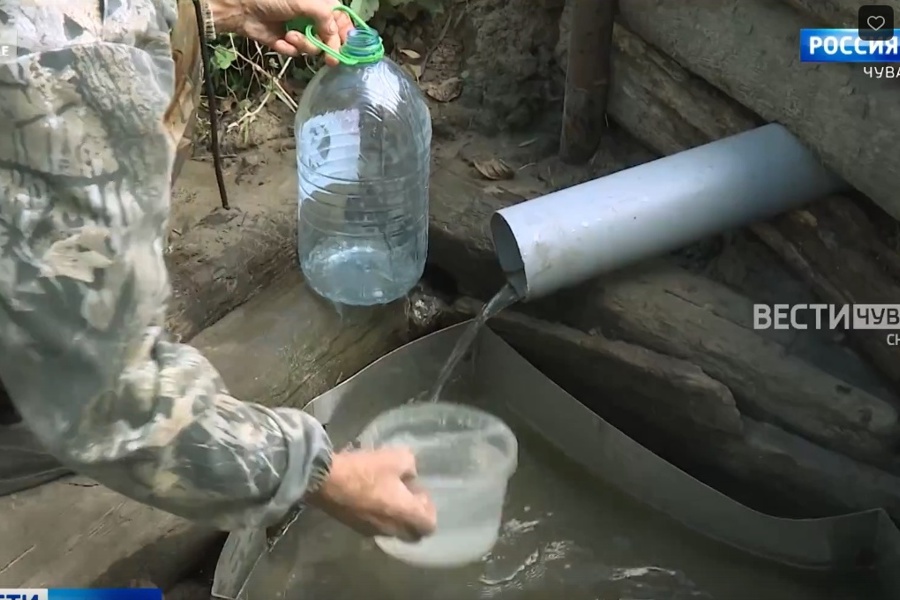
pixel 664 106
pixel 460 213
pixel 748 49
pixel 687 416
pixel 836 250
pixel 226 256
pixel 666 311
pixel 587 79
pixel 698 320
pixel 670 110
pixel 458 236
pixel 283 347
pixel 672 392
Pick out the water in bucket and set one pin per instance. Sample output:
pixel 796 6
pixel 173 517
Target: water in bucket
pixel 464 458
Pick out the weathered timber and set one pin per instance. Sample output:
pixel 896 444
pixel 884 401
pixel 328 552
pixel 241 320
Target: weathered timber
pixel 458 236
pixel 834 13
pixel 672 391
pixel 460 213
pixel 748 49
pixel 670 110
pixel 664 106
pixel 587 79
pixel 835 249
pixel 285 346
pixel 695 319
pixel 229 255
pixel 300 345
pixel 680 411
pixel 698 321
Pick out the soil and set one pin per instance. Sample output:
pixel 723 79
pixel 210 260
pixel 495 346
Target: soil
pixel 198 585
pixel 493 75
pixel 502 107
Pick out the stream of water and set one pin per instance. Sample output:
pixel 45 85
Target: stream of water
pixel 506 297
pixel 564 534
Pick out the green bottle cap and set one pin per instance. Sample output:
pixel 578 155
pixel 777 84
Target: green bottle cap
pixel 363 44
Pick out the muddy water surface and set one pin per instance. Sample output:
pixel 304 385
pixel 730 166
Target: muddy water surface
pixel 565 535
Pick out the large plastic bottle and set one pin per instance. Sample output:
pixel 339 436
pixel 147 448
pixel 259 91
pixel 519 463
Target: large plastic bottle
pixel 363 154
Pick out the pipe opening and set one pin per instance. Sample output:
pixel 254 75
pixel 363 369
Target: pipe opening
pixel 506 247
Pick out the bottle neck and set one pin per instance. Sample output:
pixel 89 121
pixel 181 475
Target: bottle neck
pixel 364 46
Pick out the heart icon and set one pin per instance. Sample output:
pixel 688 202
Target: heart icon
pixel 875 22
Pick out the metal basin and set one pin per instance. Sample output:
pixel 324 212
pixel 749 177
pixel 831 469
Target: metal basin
pixel 589 514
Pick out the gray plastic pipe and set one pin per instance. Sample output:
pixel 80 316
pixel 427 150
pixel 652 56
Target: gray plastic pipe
pixel 566 237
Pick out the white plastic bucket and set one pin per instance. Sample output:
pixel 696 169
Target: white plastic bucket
pixel 464 457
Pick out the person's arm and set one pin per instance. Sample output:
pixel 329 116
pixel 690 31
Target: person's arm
pixel 84 196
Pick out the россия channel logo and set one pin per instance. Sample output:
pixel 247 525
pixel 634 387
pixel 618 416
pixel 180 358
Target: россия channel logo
pixel 845 46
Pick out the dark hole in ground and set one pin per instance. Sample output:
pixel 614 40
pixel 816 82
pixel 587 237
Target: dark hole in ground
pixel 440 281
pixel 198 584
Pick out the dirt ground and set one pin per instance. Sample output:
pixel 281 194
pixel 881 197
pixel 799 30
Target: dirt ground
pixel 492 73
pixel 471 87
pixel 494 115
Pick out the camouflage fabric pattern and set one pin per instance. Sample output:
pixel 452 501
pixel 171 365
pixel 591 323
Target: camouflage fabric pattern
pixel 85 169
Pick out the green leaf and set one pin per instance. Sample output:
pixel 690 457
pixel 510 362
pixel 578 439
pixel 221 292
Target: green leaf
pixel 366 9
pixel 223 57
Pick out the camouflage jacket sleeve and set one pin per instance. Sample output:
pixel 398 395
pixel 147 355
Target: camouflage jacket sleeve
pixel 85 170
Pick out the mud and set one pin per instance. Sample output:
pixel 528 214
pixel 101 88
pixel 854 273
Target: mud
pixel 508 57
pixel 510 72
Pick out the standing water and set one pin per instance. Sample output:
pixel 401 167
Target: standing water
pixel 506 297
pixel 363 154
pixel 564 534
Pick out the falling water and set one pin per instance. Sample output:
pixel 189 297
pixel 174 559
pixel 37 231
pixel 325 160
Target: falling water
pixel 506 297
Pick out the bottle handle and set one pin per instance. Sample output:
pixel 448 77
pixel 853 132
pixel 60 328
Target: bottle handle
pixel 305 26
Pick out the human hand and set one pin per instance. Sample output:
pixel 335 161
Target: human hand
pixel 373 491
pixel 263 21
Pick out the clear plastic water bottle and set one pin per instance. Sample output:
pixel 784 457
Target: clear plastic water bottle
pixel 363 155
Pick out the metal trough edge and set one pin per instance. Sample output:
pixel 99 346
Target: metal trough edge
pixel 832 543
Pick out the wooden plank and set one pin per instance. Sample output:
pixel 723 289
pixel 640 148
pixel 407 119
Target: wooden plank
pixel 831 245
pixel 748 49
pixel 694 319
pixel 681 412
pixel 220 258
pixel 835 248
pixel 587 79
pixel 283 347
pixel 76 533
